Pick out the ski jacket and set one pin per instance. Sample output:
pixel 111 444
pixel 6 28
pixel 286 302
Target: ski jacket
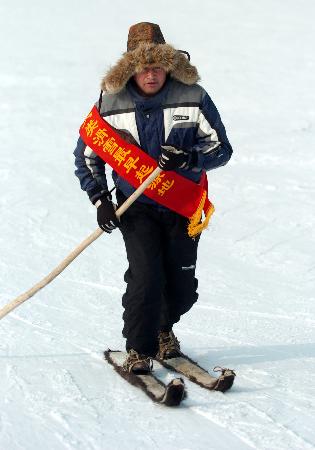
pixel 179 115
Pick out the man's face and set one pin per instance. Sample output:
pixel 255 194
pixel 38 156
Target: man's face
pixel 150 80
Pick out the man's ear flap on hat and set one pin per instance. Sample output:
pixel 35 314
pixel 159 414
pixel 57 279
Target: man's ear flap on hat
pixel 118 76
pixel 183 70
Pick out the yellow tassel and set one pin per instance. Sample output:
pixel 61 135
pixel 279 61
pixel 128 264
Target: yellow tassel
pixel 195 225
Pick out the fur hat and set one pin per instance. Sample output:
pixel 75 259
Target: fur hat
pixel 146 47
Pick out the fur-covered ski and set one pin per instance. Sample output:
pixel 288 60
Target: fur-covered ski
pixel 169 395
pixel 190 369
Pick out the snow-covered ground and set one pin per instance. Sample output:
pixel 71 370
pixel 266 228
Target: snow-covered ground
pixel 256 269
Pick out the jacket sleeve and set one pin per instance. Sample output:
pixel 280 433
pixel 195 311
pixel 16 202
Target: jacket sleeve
pixel 90 169
pixel 212 148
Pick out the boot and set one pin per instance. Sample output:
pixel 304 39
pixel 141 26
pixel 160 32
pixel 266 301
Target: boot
pixel 168 345
pixel 137 364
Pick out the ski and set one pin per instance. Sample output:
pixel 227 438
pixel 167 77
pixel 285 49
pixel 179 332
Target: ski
pixel 191 370
pixel 169 395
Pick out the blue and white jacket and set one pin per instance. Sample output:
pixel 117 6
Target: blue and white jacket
pixel 182 116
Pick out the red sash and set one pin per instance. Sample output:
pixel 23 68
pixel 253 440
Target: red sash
pixel 134 165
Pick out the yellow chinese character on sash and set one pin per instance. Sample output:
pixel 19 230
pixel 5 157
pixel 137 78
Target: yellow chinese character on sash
pixel 166 185
pixel 120 155
pixel 156 182
pixel 99 137
pixel 110 145
pixel 90 115
pixel 143 172
pixel 90 127
pixel 131 163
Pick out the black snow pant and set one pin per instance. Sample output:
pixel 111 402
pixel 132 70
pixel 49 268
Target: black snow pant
pixel 161 283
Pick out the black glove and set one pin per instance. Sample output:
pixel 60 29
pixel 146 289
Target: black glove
pixel 106 217
pixel 172 158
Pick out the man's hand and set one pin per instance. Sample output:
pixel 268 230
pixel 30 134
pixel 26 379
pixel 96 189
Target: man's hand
pixel 172 158
pixel 106 217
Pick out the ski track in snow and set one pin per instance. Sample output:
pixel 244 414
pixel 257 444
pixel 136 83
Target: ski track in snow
pixel 255 313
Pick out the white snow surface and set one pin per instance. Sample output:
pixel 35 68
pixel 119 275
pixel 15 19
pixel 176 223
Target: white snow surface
pixel 256 264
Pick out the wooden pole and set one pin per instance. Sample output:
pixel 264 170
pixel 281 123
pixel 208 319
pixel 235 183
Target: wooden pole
pixel 79 249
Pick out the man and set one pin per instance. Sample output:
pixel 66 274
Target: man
pixel 151 98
